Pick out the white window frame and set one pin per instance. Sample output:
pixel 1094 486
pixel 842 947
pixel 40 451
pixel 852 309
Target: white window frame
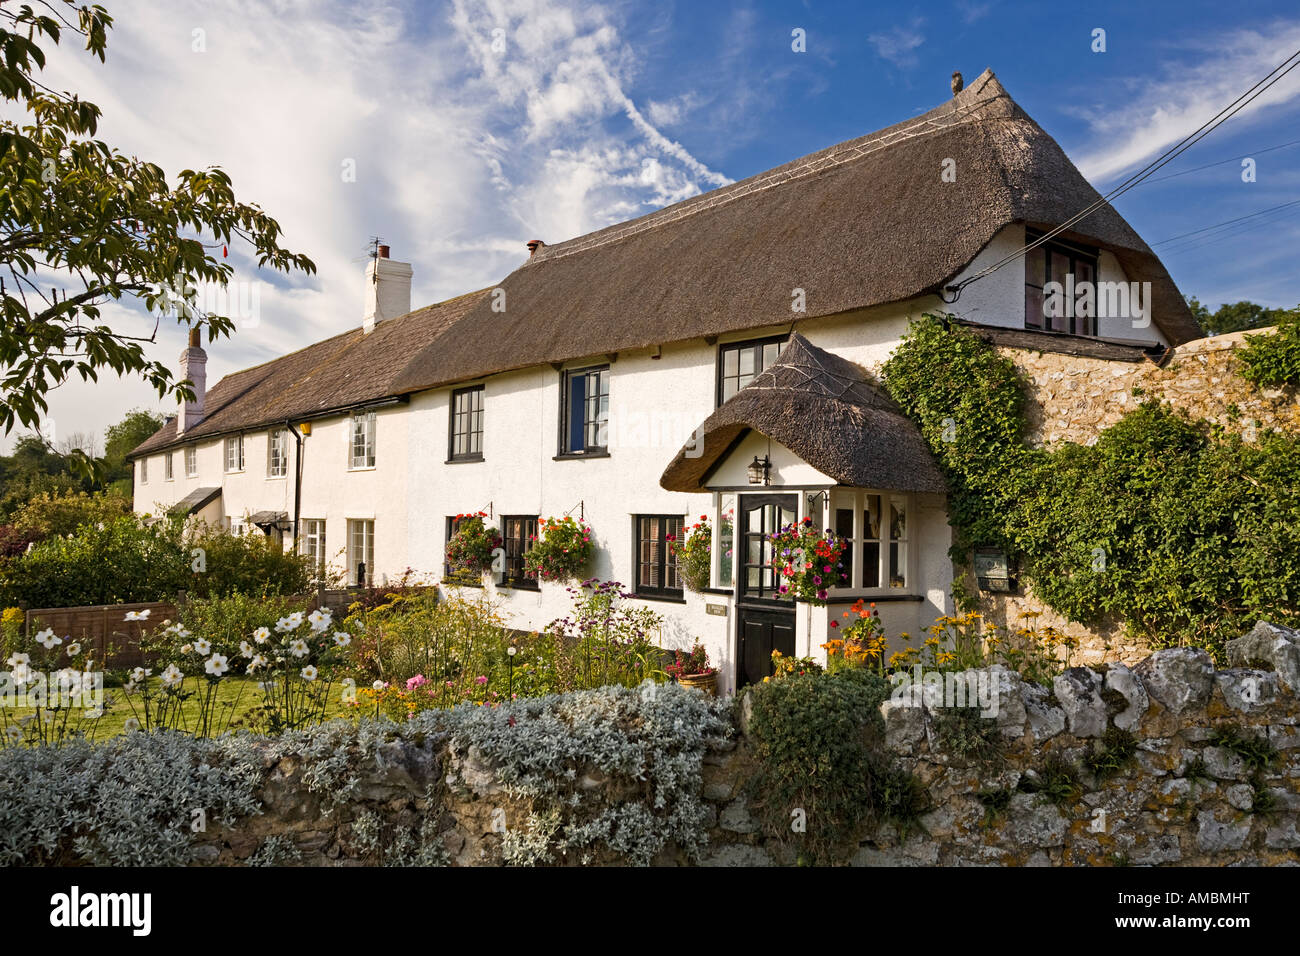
pixel 723 502
pixel 361 442
pixel 168 473
pixel 311 541
pixel 277 451
pixel 144 471
pixel 191 461
pixel 366 528
pixel 856 498
pixel 234 443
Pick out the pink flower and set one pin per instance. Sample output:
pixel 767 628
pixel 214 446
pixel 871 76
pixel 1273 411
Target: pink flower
pixel 417 681
pixel 480 679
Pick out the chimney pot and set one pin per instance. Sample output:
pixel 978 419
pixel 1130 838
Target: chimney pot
pixel 533 246
pixel 382 252
pixel 196 341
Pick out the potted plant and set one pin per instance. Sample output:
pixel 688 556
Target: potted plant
pixel 561 550
pixel 692 552
pixel 807 561
pixel 694 670
pixel 469 549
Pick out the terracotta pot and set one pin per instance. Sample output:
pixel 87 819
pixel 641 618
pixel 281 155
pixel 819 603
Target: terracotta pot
pixel 705 682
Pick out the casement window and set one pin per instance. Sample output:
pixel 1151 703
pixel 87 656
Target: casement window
pixel 361 552
pixel 235 453
pixel 191 461
pixel 277 453
pixel 519 533
pixel 362 446
pixel 585 414
pixel 144 471
pixel 722 555
pixel 655 563
pixel 1058 262
pixel 465 434
pixel 311 541
pixel 739 363
pixel 876 526
pixel 167 467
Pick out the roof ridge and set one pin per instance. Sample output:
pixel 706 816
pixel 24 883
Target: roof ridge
pixel 936 120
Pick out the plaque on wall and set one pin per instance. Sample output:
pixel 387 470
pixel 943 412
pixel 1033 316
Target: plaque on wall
pixel 994 570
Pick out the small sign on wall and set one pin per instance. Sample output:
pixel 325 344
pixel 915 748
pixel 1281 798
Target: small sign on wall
pixel 717 610
pixel 995 570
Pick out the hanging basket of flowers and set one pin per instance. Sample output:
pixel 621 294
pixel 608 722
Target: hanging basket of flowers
pixel 469 549
pixel 692 550
pixel 807 561
pixel 561 551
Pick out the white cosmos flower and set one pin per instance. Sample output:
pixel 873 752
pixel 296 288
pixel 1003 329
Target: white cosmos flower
pixel 187 648
pixel 140 673
pixel 378 685
pixel 172 676
pixel 95 713
pixel 261 634
pixel 320 619
pixel 21 674
pixel 18 659
pixel 246 649
pixel 182 632
pixel 258 661
pixel 216 665
pixel 14 734
pixel 74 649
pixel 342 638
pixel 48 640
pixel 299 648
pixel 138 615
pixel 309 672
pixel 202 645
pixel 131 725
pixel 130 687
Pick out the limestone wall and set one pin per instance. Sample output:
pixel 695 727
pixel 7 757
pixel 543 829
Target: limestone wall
pixel 1213 779
pixel 1073 399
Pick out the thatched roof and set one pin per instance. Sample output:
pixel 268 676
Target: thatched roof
pixel 338 373
pixel 825 410
pixel 864 223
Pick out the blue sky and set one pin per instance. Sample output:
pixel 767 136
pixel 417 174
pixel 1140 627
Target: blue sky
pixel 468 142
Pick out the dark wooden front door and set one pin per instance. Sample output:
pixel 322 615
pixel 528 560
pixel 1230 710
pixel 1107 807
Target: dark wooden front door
pixel 764 617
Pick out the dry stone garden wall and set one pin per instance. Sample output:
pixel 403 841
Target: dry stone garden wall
pixel 1073 399
pixel 1167 762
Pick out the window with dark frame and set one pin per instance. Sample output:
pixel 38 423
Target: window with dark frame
pixel 465 441
pixel 519 533
pixel 448 574
pixel 1052 262
pixel 655 563
pixel 739 363
pixel 585 413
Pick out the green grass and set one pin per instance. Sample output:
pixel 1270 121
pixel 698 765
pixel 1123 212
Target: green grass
pixel 236 698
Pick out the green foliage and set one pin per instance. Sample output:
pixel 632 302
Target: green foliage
pixel 1196 769
pixel 562 552
pixel 111 224
pixel 1233 316
pixel 49 514
pixel 469 550
pixel 1273 361
pixel 1256 751
pixel 965 734
pixel 817 749
pixel 995 803
pixel 128 561
pixel 122 439
pixel 1057 780
pixel 1185 537
pixel 1117 748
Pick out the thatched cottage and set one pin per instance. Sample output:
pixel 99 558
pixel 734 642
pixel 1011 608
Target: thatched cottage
pixel 711 358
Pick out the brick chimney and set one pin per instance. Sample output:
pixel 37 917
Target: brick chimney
pixel 388 289
pixel 193 366
pixel 533 246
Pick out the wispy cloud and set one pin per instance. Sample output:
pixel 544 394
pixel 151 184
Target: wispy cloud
pixel 971 11
pixel 1185 93
pixel 898 44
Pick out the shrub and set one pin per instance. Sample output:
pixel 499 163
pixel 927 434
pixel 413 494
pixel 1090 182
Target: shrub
pixel 817 749
pixel 562 550
pixel 1273 361
pixel 226 622
pixel 53 513
pixel 604 640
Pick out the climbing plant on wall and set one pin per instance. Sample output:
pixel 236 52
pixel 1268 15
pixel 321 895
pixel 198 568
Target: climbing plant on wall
pixel 1184 533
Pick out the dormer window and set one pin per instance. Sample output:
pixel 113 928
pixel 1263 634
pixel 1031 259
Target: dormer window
pixel 1070 305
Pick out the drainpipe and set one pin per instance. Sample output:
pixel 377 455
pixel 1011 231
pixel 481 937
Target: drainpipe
pixel 297 480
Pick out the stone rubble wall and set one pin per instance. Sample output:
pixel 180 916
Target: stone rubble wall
pixel 1181 799
pixel 1074 399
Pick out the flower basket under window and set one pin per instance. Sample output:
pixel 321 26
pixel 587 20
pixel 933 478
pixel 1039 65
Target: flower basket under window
pixel 807 561
pixel 561 551
pixel 469 549
pixel 692 553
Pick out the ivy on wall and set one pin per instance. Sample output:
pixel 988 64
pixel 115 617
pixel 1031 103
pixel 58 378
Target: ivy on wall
pixel 1273 361
pixel 1186 534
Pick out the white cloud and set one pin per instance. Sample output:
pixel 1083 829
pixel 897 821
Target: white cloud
pixel 1160 112
pixel 462 153
pixel 898 44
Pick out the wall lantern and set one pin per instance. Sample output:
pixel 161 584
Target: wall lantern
pixel 758 470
